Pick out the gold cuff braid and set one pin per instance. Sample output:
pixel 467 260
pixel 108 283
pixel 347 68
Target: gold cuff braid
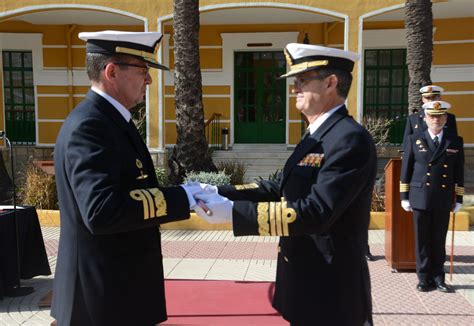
pixel 274 217
pixel 154 202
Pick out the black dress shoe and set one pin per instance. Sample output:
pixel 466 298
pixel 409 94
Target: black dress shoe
pixel 424 287
pixel 443 287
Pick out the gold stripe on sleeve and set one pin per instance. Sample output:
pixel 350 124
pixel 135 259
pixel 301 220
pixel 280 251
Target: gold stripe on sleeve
pixel 278 218
pixel 140 196
pixel 262 218
pixel 151 203
pixel 279 221
pixel 153 200
pixel 160 202
pixel 246 186
pixel 288 216
pixel 404 187
pixel 273 230
pixel 459 190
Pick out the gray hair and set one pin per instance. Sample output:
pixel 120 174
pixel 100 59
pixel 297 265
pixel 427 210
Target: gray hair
pixel 96 62
pixel 344 79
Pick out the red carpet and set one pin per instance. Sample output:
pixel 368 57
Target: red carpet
pixel 220 303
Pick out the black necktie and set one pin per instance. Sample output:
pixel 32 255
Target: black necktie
pixel 436 141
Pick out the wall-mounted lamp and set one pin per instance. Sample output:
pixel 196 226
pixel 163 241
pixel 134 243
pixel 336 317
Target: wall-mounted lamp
pixel 306 38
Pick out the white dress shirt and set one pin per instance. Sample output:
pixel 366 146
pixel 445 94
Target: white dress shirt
pixel 320 120
pixel 440 136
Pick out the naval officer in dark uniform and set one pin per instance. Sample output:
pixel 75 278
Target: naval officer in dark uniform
pixel 416 121
pixel 320 207
pixel 109 269
pixel 431 185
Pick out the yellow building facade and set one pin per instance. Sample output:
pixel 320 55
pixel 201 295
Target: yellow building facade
pixel 241 48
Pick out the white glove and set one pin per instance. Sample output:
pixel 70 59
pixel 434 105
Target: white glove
pixel 206 188
pixel 193 188
pixel 457 207
pixel 190 192
pixel 219 208
pixel 406 205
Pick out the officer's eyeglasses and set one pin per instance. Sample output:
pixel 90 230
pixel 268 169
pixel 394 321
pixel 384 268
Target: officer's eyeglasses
pixel 301 82
pixel 431 97
pixel 144 69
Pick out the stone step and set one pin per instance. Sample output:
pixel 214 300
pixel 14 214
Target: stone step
pixel 253 161
pixel 260 160
pixel 259 147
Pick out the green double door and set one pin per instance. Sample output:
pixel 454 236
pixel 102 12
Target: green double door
pixel 259 97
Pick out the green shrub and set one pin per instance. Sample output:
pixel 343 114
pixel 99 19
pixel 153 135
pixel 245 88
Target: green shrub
pixel 378 196
pixel 39 189
pixel 378 127
pixel 272 176
pixel 162 177
pixel 212 178
pixel 236 170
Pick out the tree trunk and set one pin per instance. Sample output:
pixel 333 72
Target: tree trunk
pixel 419 29
pixel 5 183
pixel 191 152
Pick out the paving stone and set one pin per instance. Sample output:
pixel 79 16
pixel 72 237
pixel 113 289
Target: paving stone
pixel 219 255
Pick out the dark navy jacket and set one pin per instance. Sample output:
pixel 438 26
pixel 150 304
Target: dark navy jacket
pixel 431 177
pixel 321 209
pixel 111 209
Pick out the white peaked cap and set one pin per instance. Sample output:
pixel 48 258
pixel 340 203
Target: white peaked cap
pixel 436 107
pixel 143 45
pixel 305 57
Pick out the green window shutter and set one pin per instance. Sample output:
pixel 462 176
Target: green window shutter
pixel 386 88
pixel 19 96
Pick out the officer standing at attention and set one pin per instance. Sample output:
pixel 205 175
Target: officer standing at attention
pixel 320 207
pixel 431 186
pixel 416 121
pixel 109 269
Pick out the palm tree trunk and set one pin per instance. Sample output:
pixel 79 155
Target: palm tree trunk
pixel 191 152
pixel 419 29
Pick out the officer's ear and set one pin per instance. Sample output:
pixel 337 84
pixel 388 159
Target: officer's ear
pixel 331 82
pixel 110 71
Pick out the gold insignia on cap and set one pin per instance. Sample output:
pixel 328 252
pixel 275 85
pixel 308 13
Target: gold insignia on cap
pixel 436 106
pixel 139 164
pixel 429 89
pixel 288 58
pixel 154 202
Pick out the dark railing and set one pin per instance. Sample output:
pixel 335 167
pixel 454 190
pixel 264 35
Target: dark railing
pixel 213 131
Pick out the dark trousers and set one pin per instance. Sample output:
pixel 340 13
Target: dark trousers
pixel 80 315
pixel 431 228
